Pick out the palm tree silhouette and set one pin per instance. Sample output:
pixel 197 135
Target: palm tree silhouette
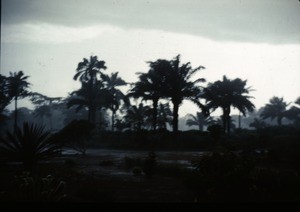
pixel 91 99
pixel 178 86
pixel 294 113
pixel 199 120
pixel 87 72
pixel 226 94
pixel 18 89
pixel 276 108
pixel 164 116
pixel 137 116
pixel 111 82
pixel 151 85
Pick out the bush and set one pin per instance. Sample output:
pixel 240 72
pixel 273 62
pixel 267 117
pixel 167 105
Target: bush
pixel 28 145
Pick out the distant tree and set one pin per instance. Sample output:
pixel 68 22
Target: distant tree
pixel 276 108
pixel 137 116
pixel 258 124
pixel 116 95
pixel 294 113
pixel 18 89
pixel 5 97
pixel 179 86
pixel 87 72
pixel 44 105
pixel 226 94
pixel 200 120
pixel 164 116
pixel 41 112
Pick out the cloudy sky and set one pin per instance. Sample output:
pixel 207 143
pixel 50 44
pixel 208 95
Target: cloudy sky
pixel 257 40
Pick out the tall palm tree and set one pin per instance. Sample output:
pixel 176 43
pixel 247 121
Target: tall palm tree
pixel 199 120
pixel 90 99
pixel 276 108
pixel 179 86
pixel 87 72
pixel 18 89
pixel 111 83
pixel 226 94
pixel 151 85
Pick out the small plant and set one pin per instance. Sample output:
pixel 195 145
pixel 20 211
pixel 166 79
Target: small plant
pixel 45 189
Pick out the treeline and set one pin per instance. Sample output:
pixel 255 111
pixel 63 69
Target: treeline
pixel 166 84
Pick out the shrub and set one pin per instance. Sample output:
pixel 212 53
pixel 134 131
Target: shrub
pixel 29 145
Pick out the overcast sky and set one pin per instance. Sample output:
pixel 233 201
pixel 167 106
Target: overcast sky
pixel 257 40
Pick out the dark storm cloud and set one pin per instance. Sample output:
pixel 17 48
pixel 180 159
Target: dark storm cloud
pixel 270 21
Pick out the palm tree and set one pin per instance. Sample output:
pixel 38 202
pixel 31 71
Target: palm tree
pixel 151 85
pixel 179 86
pixel 199 120
pixel 276 108
pixel 136 116
pixel 257 124
pixel 17 87
pixel 90 99
pixel 164 116
pixel 294 113
pixel 226 94
pixel 111 82
pixel 87 72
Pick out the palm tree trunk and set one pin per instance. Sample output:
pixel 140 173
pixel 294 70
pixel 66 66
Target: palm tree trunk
pixel 113 120
pixel 16 114
pixel 155 102
pixel 175 116
pixel 224 120
pixel 228 123
pixel 200 127
pixel 239 120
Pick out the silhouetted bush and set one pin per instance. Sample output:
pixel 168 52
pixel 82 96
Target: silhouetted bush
pixel 75 135
pixel 28 145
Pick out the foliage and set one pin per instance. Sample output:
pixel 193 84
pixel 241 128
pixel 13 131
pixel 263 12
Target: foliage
pixel 276 108
pixel 5 98
pixel 200 120
pixel 46 189
pixel 226 94
pixel 75 135
pixel 17 88
pixel 29 145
